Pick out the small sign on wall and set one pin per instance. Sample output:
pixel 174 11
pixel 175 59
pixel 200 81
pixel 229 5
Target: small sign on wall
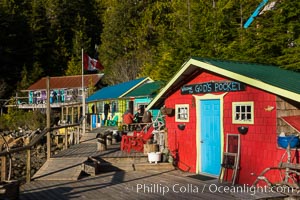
pixel 210 87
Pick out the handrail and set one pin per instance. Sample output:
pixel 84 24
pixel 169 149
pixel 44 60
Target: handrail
pixel 35 140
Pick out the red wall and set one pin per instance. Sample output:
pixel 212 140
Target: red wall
pixel 258 147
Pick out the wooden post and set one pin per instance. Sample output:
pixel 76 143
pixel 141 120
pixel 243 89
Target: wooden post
pixel 166 138
pixel 78 135
pixel 3 168
pixel 109 139
pixel 48 119
pixel 83 95
pixel 67 114
pixel 71 137
pixel 101 143
pixel 62 114
pixel 28 162
pixel 78 112
pixel 72 114
pixel 66 138
pixel 91 117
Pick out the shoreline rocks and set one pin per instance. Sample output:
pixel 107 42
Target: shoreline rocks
pixel 18 160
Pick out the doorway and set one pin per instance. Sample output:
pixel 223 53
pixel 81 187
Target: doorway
pixel 210 136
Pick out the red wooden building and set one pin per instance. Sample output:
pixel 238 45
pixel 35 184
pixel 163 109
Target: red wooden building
pixel 213 98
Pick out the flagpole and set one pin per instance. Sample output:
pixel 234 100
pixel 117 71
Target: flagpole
pixel 83 93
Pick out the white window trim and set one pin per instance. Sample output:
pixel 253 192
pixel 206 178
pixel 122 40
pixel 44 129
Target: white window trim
pixel 187 106
pixel 245 103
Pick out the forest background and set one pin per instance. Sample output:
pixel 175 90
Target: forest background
pixel 136 38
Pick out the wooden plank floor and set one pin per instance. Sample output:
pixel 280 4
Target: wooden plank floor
pixel 136 185
pixel 149 184
pixel 66 165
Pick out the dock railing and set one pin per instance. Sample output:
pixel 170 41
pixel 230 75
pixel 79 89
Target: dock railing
pixel 6 174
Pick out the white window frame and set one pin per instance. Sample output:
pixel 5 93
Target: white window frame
pixel 243 113
pixel 182 113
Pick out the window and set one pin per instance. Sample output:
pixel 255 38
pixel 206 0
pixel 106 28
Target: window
pixel 70 92
pixel 37 94
pixel 142 106
pixel 114 106
pixel 182 113
pixel 100 107
pixel 80 92
pixel 243 112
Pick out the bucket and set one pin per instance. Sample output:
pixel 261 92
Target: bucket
pixel 283 141
pixel 154 157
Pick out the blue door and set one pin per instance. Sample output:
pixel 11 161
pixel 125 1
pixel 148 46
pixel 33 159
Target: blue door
pixel 210 144
pixel 94 121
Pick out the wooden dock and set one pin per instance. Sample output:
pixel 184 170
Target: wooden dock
pixel 67 164
pixel 60 169
pixel 152 184
pixel 123 176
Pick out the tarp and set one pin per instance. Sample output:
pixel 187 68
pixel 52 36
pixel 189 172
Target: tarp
pixel 293 121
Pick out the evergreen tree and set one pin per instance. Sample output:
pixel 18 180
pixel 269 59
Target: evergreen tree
pixel 119 43
pixel 287 17
pixel 39 26
pixel 15 43
pixel 140 38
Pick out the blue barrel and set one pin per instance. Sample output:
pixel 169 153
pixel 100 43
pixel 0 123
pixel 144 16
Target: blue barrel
pixel 283 141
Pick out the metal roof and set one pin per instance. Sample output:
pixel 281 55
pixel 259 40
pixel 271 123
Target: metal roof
pixel 66 82
pixel 273 75
pixel 116 91
pixel 146 90
pixel 269 78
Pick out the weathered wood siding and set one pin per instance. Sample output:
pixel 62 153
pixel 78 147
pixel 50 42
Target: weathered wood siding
pixel 286 108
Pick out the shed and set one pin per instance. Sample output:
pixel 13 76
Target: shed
pixel 214 98
pixel 110 103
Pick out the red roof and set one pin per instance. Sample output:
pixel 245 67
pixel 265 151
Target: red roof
pixel 66 82
pixel 293 121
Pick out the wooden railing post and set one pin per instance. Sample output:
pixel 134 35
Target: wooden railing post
pixel 3 168
pixel 48 112
pixel 28 162
pixel 27 147
pixel 78 135
pixel 66 138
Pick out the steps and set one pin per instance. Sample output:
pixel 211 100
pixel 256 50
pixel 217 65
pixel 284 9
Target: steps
pixel 145 166
pixel 70 163
pixel 71 168
pixel 139 163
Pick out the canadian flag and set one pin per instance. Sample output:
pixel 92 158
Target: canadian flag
pixel 91 64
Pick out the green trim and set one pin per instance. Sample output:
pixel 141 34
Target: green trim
pixel 137 85
pixel 170 83
pixel 269 78
pixel 250 81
